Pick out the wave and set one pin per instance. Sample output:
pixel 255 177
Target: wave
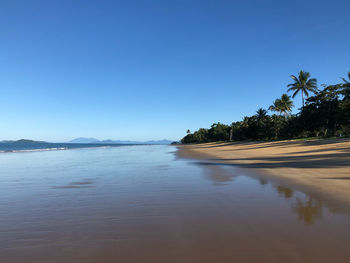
pixel 49 147
pixel 34 150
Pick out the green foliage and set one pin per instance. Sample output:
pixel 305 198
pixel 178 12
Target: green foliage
pixel 326 113
pixel 302 84
pixel 345 87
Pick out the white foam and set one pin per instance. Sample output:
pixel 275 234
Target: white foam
pixel 35 150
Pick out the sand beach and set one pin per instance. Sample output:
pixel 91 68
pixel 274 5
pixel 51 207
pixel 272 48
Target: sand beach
pixel 320 167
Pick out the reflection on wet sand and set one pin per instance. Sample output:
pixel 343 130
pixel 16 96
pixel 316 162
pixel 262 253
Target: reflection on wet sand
pixel 263 181
pixel 81 184
pixel 218 174
pixel 286 192
pixel 308 210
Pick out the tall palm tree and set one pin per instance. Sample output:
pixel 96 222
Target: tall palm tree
pixel 303 84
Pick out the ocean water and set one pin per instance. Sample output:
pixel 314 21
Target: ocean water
pixel 19 146
pixel 147 204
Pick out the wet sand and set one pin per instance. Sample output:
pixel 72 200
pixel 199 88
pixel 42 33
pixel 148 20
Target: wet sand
pixel 320 167
pixel 149 204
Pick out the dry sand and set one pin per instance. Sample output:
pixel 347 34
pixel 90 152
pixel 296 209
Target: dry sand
pixel 320 167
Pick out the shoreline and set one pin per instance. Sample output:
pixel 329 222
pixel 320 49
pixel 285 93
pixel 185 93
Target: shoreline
pixel 320 168
pixel 68 146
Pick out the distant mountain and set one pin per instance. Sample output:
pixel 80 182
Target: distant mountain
pixel 94 140
pixel 159 142
pixel 22 141
pixel 84 140
pixel 106 141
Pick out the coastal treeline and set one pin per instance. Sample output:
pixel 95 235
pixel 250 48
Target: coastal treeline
pixel 325 112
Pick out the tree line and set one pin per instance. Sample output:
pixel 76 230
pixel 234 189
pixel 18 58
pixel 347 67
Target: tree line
pixel 325 112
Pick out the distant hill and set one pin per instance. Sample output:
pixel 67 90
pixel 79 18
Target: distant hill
pixel 159 142
pixel 94 140
pixel 84 140
pixel 21 141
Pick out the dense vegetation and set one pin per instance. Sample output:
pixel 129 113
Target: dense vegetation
pixel 324 114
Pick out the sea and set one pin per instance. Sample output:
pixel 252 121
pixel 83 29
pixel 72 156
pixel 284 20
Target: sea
pixel 25 146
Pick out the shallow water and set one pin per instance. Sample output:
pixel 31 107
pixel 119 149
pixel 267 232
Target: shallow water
pixel 145 204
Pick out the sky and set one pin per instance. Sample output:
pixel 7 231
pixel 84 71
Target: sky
pixel 142 70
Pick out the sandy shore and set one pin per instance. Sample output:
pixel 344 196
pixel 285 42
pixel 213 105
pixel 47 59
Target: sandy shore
pixel 320 167
pixel 143 204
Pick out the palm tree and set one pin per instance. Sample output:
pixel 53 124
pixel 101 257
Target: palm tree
pixel 261 114
pixel 286 104
pixel 346 87
pixel 276 106
pixel 303 84
pixel 261 118
pixel 283 105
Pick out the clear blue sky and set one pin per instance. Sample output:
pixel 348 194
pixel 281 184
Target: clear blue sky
pixel 148 69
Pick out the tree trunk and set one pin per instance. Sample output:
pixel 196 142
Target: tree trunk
pixel 302 97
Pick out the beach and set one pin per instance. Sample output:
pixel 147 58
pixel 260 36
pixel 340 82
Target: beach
pixel 146 204
pixel 320 167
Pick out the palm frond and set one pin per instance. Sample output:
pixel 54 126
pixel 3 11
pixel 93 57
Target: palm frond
pixel 346 83
pixel 295 93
